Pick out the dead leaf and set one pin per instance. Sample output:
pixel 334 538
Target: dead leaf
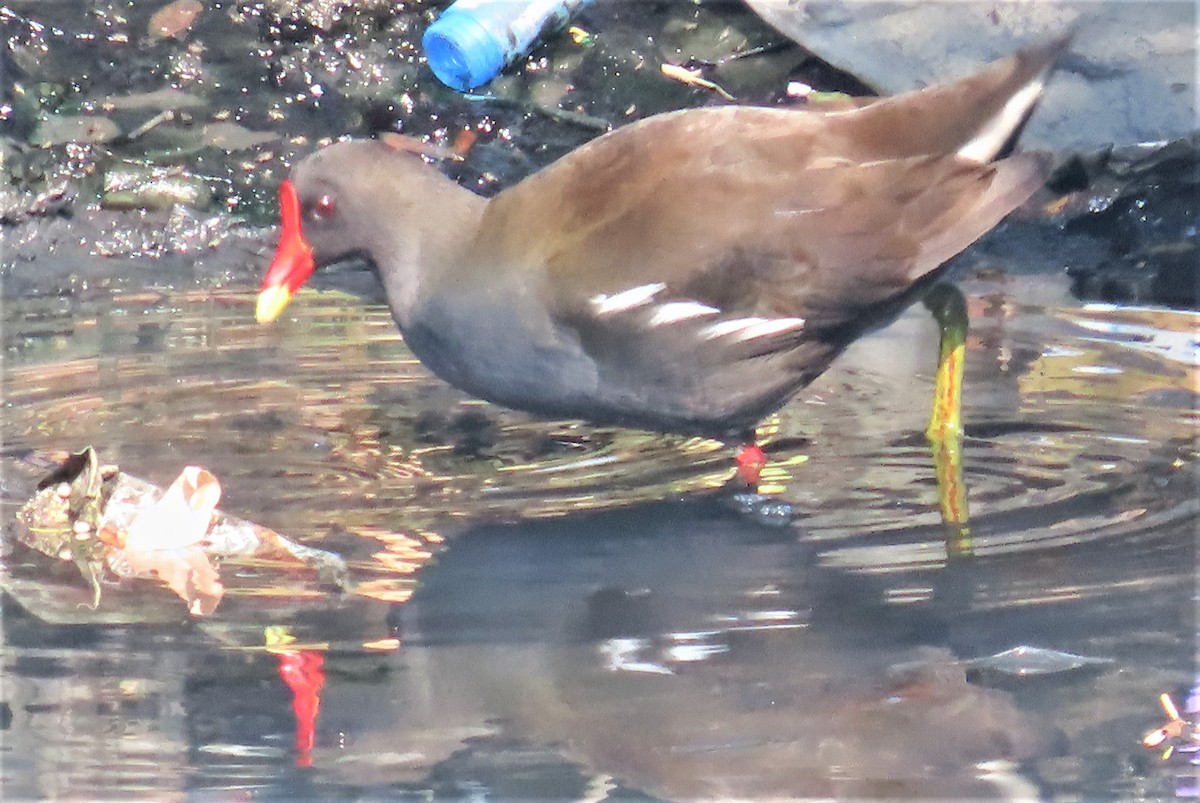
pixel 233 137
pixel 463 142
pixel 402 142
pixel 175 19
pixel 113 525
pixel 181 517
pixel 59 129
pixel 167 540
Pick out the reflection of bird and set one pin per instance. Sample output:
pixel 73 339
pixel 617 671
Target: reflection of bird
pixel 697 658
pixel 686 273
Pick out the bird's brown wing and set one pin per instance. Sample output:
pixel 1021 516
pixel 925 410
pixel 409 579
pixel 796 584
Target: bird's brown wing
pixel 709 273
pixel 748 211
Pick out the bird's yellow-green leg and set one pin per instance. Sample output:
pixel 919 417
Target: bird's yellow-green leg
pixel 945 430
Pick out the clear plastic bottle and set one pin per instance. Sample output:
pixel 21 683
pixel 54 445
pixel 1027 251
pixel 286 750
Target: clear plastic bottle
pixel 473 40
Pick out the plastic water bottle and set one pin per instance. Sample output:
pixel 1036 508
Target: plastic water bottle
pixel 473 40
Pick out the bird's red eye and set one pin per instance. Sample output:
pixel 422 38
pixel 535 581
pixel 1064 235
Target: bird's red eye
pixel 324 208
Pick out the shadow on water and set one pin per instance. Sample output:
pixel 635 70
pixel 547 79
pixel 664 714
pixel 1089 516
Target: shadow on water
pixel 548 609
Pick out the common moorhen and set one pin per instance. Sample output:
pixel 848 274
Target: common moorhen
pixel 686 273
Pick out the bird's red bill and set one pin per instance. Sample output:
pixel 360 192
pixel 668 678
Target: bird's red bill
pixel 293 262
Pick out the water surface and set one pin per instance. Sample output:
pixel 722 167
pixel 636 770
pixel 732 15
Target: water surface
pixel 546 609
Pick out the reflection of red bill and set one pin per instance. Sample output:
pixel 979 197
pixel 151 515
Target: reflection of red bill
pixel 303 671
pixel 293 262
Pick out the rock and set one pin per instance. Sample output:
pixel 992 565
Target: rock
pixel 1123 223
pixel 1129 77
pixel 132 186
pixel 1159 275
pixel 1144 205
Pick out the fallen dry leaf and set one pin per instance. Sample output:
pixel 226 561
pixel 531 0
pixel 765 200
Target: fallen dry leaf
pixel 464 142
pixel 167 539
pixel 233 137
pixel 115 526
pixel 403 142
pixel 175 19
pixel 181 517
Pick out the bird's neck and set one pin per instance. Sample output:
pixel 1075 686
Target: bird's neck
pixel 410 263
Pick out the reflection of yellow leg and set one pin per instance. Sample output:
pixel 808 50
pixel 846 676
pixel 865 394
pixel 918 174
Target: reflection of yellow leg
pixel 945 431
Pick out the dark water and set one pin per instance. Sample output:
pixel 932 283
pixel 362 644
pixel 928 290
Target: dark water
pixel 550 610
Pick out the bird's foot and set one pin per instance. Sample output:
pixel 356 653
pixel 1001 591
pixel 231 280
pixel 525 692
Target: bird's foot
pixel 742 496
pixel 750 462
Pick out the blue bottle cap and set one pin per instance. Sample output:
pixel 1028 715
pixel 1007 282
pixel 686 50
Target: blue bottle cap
pixel 462 53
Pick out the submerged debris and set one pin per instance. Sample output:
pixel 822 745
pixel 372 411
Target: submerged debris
pixel 116 527
pixel 73 495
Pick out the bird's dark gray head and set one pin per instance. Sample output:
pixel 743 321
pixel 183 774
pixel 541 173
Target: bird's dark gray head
pixel 357 198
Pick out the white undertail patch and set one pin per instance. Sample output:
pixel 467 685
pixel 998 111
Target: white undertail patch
pixel 985 145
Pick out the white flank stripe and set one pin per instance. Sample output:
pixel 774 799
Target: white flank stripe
pixel 750 328
pixel 768 328
pixel 675 311
pixel 723 328
pixel 626 299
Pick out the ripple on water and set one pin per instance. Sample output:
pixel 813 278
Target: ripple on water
pixel 657 623
pixel 1080 427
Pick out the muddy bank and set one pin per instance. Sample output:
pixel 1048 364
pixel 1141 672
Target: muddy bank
pixel 143 143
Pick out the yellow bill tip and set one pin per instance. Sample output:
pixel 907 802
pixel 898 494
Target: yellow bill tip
pixel 271 301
